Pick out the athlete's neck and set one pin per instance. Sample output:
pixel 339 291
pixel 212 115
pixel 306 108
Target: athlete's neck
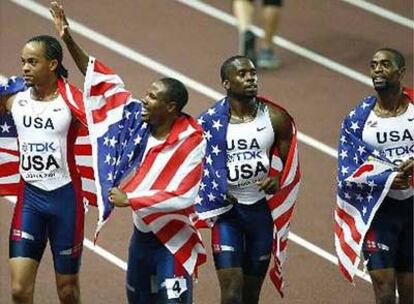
pixel 391 102
pixel 161 131
pixel 45 92
pixel 243 108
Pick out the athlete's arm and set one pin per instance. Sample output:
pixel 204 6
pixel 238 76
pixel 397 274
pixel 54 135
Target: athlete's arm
pixel 6 102
pixel 282 126
pixel 79 55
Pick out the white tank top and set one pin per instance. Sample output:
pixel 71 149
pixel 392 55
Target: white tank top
pixel 138 222
pixel 248 149
pixel 394 136
pixel 42 129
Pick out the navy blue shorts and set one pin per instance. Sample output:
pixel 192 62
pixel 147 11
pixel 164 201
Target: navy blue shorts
pixel 153 275
pixel 389 241
pixel 56 215
pixel 243 237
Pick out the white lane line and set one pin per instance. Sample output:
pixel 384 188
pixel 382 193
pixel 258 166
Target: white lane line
pixel 324 254
pixel 382 12
pixel 282 42
pixel 151 64
pixel 105 254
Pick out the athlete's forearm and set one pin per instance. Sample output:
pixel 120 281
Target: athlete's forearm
pixel 79 55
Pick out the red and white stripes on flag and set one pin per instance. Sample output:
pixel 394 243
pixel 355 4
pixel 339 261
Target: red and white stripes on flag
pixel 162 186
pixel 282 205
pixel 163 192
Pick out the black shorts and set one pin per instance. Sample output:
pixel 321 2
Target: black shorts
pixel 389 241
pixel 271 2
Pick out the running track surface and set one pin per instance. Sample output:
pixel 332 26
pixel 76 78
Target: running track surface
pixel 193 43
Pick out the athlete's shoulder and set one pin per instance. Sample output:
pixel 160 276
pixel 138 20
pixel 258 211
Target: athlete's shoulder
pixel 279 117
pixel 409 92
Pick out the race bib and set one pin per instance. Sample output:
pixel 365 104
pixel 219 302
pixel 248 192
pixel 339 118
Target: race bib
pixel 40 160
pixel 175 287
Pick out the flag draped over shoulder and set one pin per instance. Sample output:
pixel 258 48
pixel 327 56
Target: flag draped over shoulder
pixel 364 177
pixel 162 186
pixel 9 154
pixel 211 200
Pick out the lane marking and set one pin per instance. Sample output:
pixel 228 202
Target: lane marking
pixel 281 42
pixel 382 12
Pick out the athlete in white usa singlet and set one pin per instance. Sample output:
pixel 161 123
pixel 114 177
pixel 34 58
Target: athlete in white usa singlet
pixel 248 149
pixel 43 129
pixel 49 205
pixel 394 136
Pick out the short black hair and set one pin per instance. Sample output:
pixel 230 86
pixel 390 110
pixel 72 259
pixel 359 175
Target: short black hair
pixel 53 51
pixel 226 65
pixel 175 91
pixel 399 58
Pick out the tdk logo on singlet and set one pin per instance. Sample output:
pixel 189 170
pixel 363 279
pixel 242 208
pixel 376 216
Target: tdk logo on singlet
pixel 38 122
pixel 39 147
pixel 39 156
pixel 251 165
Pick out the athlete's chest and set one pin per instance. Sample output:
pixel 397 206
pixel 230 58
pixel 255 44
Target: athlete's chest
pixel 383 132
pixel 256 135
pixel 41 118
pixel 393 135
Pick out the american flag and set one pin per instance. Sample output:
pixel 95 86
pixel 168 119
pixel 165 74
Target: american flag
pixel 162 186
pixel 364 177
pixel 213 188
pixel 9 154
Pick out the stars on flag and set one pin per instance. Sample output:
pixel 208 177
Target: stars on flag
pixel 5 128
pixel 217 124
pixel 354 126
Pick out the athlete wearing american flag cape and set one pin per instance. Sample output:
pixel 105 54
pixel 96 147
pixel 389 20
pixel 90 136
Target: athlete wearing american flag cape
pixel 147 155
pixel 374 211
pixel 44 161
pixel 250 183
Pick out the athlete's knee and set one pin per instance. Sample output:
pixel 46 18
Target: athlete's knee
pixel 231 292
pixel 231 284
pixel 68 291
pixel 230 296
pixel 405 284
pixel 21 293
pixel 384 291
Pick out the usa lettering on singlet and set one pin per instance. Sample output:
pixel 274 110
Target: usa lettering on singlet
pixel 42 129
pixel 394 136
pixel 248 149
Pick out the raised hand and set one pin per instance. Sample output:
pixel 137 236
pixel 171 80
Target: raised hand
pixel 59 18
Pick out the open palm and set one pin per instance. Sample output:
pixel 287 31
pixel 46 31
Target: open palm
pixel 59 18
